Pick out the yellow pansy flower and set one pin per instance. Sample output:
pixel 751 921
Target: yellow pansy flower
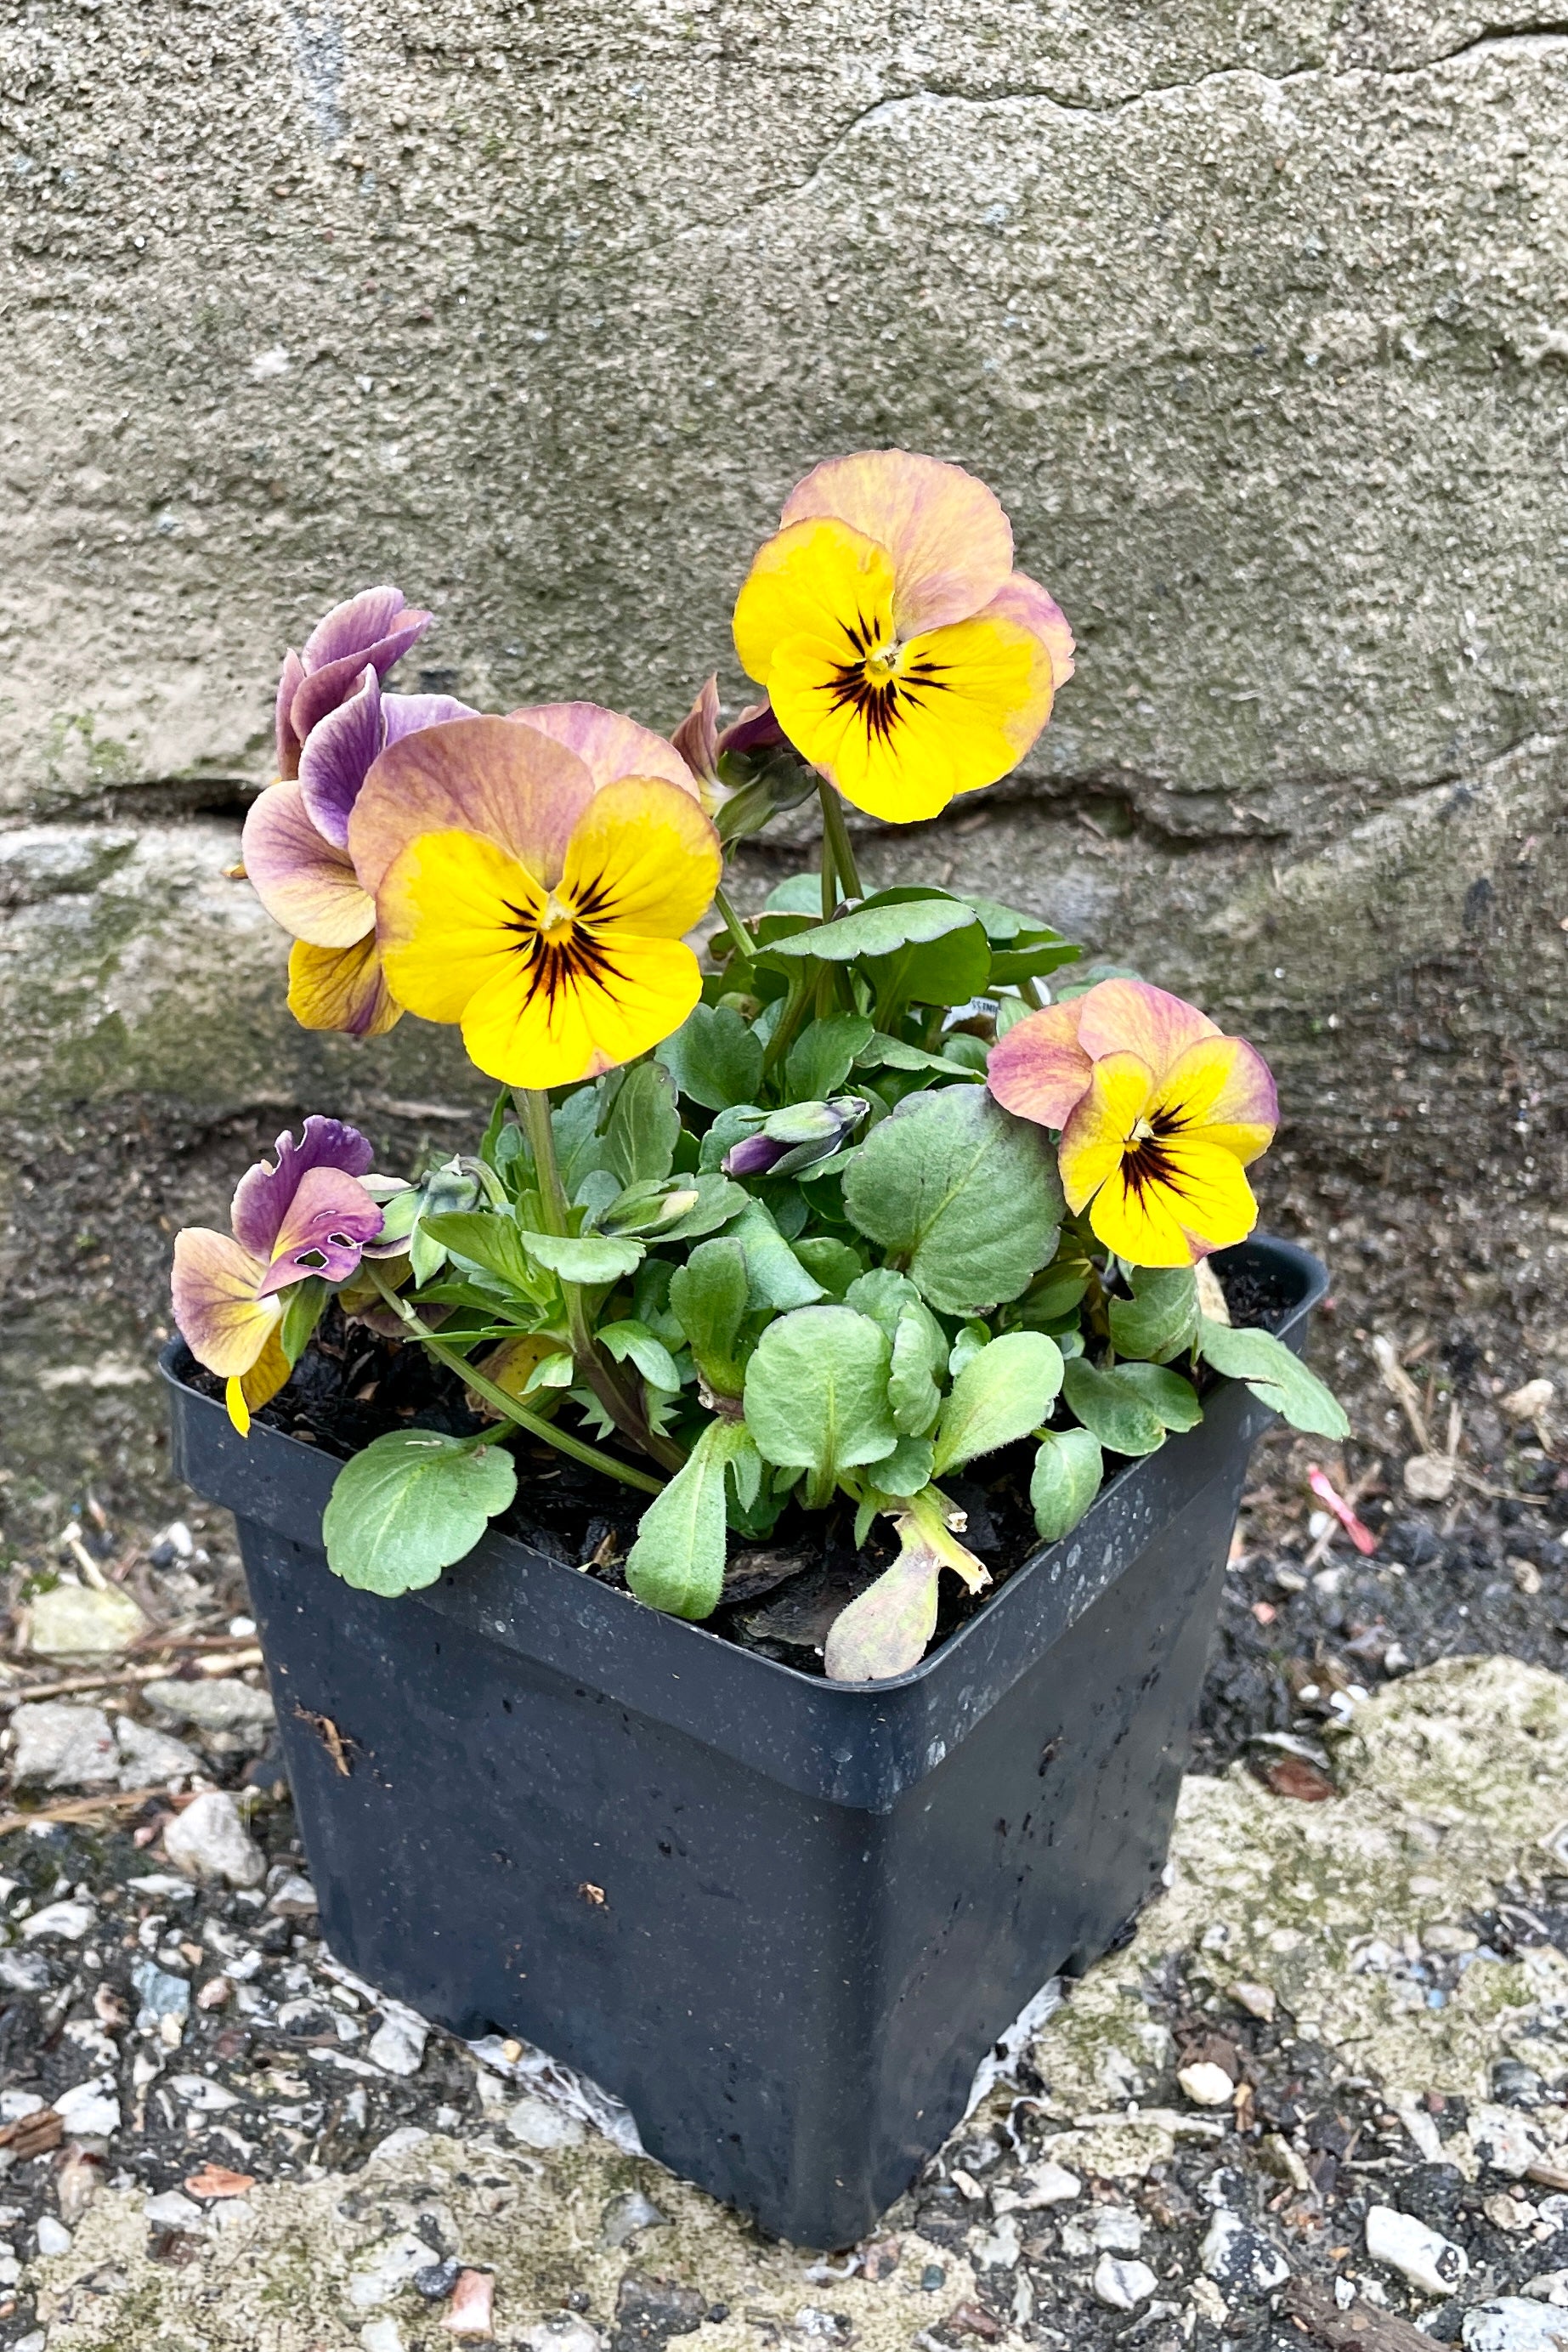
pixel 539 908
pixel 1159 1113
pixel 903 655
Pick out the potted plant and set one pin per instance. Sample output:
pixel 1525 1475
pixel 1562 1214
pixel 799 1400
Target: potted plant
pixel 735 1551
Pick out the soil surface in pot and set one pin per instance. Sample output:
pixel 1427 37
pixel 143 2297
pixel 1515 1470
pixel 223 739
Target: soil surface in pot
pixel 352 1385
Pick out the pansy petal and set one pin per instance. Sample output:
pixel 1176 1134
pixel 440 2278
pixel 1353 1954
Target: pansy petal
pixel 405 714
pixel 305 884
pixel 250 1391
pixel 264 1193
pixel 608 745
pixel 644 858
pixel 514 784
pixel 1129 1017
pixel 1023 600
pixel 961 708
pixel 528 1036
pixel 342 988
pixel 1220 1088
pixel 1100 1125
pixel 756 730
pixel 1038 1070
pixel 951 544
pixel 1139 1223
pixel 1201 1203
pixel 327 1224
pixel 696 740
pixel 287 741
pixel 222 1319
pixel 338 756
pixel 356 624
pixel 818 580
pixel 448 919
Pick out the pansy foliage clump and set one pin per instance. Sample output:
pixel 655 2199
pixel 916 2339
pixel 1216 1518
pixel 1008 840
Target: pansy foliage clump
pixel 879 1184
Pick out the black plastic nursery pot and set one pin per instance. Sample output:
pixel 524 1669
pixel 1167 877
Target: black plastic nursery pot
pixel 782 1918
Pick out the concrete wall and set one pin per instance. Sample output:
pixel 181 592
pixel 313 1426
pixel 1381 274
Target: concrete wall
pixel 1254 315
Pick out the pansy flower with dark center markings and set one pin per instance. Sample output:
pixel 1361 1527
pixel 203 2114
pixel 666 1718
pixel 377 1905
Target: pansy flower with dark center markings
pixel 1159 1113
pixel 307 1213
pixel 376 629
pixel 903 655
pixel 534 877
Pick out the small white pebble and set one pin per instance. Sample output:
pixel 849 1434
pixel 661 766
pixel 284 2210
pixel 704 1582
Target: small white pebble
pixel 1207 2085
pixel 1122 2286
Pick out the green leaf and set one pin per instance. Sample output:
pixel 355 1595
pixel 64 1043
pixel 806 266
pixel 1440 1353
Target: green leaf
pixel 777 1278
pixel 639 1133
pixel 651 1356
pixel 1059 1290
pixel 885 1629
pixel 1165 1394
pixel 906 1469
pixel 488 1238
pixel 410 1505
pixel 1030 958
pixel 302 1306
pixel 730 1128
pixel 1111 1408
pixel 816 1396
pixel 678 1561
pixel 829 1261
pixel 1276 1377
pixel 714 1057
pixel 585 1257
pixel 885 1053
pixel 919 1356
pixel 550 1372
pixel 1160 1319
pixel 798 894
pixel 972 1336
pixel 883 923
pixel 1067 1474
pixel 950 969
pixel 709 1297
pixel 964 1196
pixel 882 1295
pixel 578 1146
pixel 998 1397
pixel 824 1055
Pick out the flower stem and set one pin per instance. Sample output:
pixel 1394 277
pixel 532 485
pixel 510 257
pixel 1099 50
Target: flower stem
pixel 744 945
pixel 507 1406
pixel 836 841
pixel 620 1402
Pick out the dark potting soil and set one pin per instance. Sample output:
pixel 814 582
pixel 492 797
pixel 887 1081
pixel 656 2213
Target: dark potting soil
pixel 352 1385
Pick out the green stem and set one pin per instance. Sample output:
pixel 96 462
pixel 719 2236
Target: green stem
pixel 795 1005
pixel 740 938
pixel 507 1406
pixel 836 841
pixel 621 1403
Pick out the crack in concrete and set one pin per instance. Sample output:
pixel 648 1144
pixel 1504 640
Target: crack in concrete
pixel 1500 36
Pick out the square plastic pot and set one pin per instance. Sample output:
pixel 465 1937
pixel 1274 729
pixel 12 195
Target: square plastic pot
pixel 782 1918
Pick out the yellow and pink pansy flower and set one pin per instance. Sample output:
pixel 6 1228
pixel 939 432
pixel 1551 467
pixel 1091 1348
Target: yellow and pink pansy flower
pixel 1159 1115
pixel 533 877
pixel 903 655
pixel 297 856
pixel 306 1214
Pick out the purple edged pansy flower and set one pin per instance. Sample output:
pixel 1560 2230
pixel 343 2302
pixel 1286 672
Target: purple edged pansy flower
pixel 307 1213
pixel 297 856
